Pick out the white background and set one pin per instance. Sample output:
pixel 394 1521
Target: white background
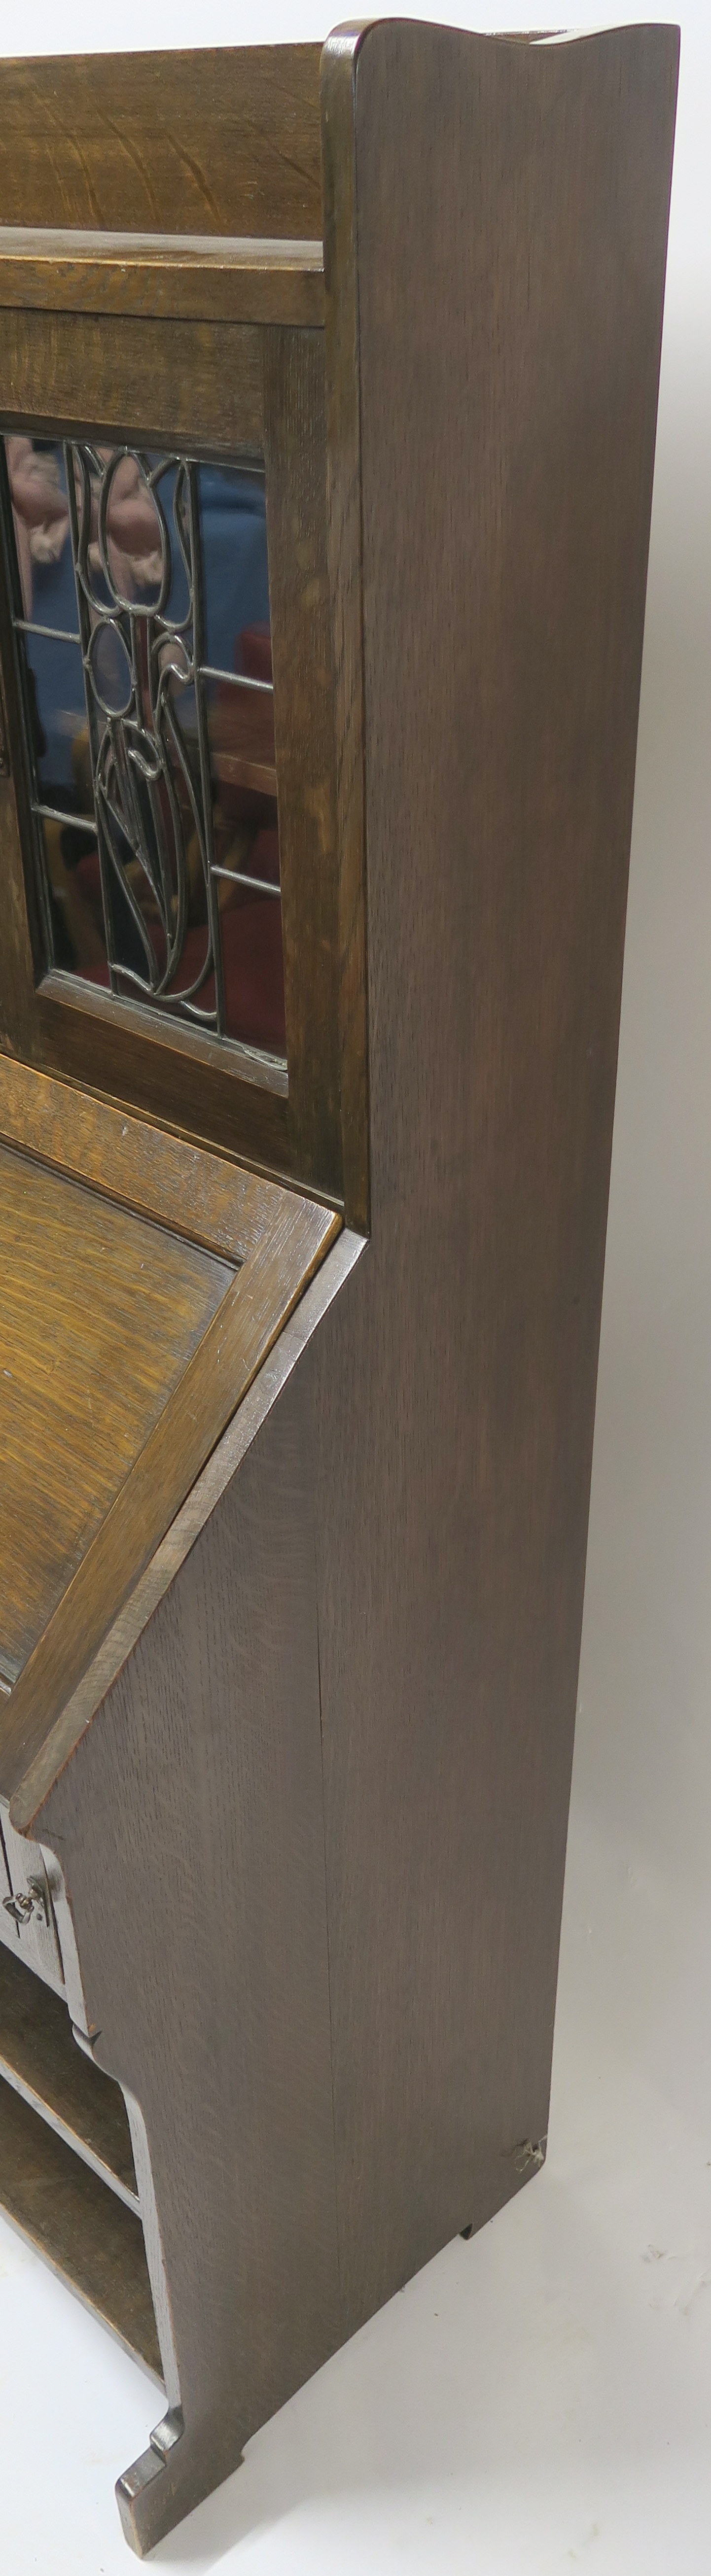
pixel 538 2399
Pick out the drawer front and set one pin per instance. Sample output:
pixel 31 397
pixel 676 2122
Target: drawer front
pixel 27 1919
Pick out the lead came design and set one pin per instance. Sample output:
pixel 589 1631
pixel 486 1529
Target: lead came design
pixel 134 652
pixel 151 760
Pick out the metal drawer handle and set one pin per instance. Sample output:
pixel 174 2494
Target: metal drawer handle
pixel 22 1908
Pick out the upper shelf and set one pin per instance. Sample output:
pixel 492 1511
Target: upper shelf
pixel 190 277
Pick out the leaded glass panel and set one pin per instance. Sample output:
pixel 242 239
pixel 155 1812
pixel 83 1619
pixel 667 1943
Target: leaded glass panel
pixel 142 617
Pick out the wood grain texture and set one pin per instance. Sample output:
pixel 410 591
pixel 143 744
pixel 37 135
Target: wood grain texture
pixel 339 1698
pixel 111 1554
pixel 170 382
pixel 509 316
pixel 129 1054
pixel 206 142
pixel 224 1953
pixel 40 2060
pixel 166 276
pixel 210 1200
pixel 87 2236
pixel 155 1582
pixel 100 1314
pixel 17 982
pixel 295 457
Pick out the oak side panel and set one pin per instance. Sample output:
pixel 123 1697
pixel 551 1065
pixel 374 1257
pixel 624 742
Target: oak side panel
pixel 204 1946
pixel 216 141
pixel 509 316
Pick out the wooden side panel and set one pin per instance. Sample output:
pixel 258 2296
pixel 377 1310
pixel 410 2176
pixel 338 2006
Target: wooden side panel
pixel 511 227
pixel 210 142
pixel 205 1950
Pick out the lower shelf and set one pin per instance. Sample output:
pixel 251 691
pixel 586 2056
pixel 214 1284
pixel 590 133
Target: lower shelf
pixel 40 2059
pixel 89 2236
pixel 67 2176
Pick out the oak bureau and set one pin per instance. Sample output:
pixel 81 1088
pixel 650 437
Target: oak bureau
pixel 328 385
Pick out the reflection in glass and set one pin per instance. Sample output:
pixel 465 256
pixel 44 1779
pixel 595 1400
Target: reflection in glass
pixel 142 614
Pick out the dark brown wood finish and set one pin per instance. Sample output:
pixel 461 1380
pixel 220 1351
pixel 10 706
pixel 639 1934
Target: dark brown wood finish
pixel 202 1196
pixel 226 1955
pixel 160 1071
pixel 168 383
pixel 509 316
pixel 88 2237
pixel 163 275
pixel 318 1699
pixel 127 1523
pixel 146 1595
pixel 210 142
pixel 101 1316
pixel 40 2061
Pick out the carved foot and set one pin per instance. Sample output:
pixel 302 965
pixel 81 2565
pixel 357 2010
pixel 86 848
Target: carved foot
pixel 172 2476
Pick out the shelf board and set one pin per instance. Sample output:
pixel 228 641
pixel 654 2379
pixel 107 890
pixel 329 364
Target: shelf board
pixel 199 277
pixel 40 2060
pixel 258 777
pixel 89 2237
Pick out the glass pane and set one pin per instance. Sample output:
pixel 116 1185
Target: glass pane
pixel 142 616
